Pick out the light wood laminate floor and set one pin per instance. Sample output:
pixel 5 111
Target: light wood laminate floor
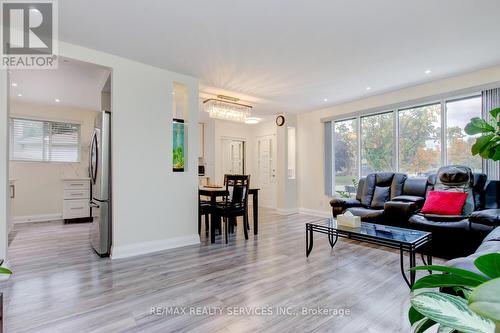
pixel 60 285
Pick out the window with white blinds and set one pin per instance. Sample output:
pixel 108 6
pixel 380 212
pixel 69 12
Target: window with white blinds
pixel 44 141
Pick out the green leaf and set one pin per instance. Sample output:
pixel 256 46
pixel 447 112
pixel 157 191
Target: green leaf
pixel 414 315
pixel 477 126
pixel 444 280
pixel 4 270
pixel 424 325
pixel 451 311
pixel 485 300
pixel 489 264
pixel 465 291
pixel 445 329
pixel 496 154
pixel 481 144
pixel 494 113
pixel 458 271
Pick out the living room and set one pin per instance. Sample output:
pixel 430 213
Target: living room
pixel 378 124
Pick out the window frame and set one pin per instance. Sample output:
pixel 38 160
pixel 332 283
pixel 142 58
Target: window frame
pixel 46 153
pixel 394 109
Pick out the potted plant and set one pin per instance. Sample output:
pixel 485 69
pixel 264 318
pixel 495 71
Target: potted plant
pixel 488 144
pixel 473 306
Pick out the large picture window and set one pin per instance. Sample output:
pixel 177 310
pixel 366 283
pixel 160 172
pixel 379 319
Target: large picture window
pixel 346 153
pixel 419 139
pixel 414 140
pixel 44 141
pixel 458 114
pixel 377 143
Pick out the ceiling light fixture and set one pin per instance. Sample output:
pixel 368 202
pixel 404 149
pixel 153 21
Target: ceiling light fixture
pixel 428 71
pixel 252 120
pixel 19 95
pixel 325 100
pixel 227 108
pixel 58 100
pixel 14 84
pixel 368 88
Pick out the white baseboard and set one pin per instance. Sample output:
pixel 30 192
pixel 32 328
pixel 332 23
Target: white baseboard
pixel 137 249
pixel 314 212
pixel 288 211
pixel 37 218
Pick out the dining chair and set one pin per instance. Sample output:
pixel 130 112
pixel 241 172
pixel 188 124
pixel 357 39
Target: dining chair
pixel 232 221
pixel 235 204
pixel 204 209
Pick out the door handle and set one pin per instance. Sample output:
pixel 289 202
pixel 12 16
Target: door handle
pixel 93 204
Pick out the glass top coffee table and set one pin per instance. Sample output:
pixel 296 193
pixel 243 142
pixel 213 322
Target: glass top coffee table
pixel 406 240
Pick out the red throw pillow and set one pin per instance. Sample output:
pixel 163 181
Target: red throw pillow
pixel 444 203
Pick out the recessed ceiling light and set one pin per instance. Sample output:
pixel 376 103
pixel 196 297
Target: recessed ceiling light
pixel 368 88
pixel 14 84
pixel 252 120
pixel 428 71
pixel 325 100
pixel 19 95
pixel 57 100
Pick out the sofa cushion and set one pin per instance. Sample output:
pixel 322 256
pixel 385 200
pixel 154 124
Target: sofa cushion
pixel 380 197
pixel 490 217
pixel 493 236
pixel 415 187
pixel 344 202
pixel 439 221
pixel 419 201
pixel 492 194
pixel 444 203
pixel 478 190
pixel 366 214
pixel 397 184
pixel 367 190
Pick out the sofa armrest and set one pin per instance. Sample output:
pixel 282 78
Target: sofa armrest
pixel 419 201
pixel 488 217
pixel 339 205
pixel 399 211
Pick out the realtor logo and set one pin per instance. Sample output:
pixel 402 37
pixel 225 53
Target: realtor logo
pixel 29 34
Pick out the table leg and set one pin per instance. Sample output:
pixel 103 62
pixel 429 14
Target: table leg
pixel 402 265
pixel 213 201
pixel 331 240
pixel 256 213
pixel 309 240
pixel 412 265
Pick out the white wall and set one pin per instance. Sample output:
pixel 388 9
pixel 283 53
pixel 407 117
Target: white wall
pixel 310 130
pixel 153 207
pixel 39 184
pixel 4 165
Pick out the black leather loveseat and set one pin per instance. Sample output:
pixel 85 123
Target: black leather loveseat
pixel 402 199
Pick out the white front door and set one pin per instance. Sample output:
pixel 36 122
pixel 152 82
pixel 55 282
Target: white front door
pixel 266 170
pixel 233 161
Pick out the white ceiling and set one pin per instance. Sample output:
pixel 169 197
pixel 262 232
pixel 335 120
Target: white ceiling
pixel 288 56
pixel 74 83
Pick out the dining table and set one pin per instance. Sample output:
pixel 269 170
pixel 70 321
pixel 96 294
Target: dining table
pixel 216 192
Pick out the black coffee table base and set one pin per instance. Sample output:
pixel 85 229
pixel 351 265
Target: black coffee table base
pixel 334 234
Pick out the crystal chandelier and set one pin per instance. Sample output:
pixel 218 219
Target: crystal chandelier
pixel 227 108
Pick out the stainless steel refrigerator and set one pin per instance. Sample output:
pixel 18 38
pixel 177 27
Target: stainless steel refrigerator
pixel 100 175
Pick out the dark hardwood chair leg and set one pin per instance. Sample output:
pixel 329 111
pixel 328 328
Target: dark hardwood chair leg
pixel 199 224
pixel 207 224
pixel 225 230
pixel 245 224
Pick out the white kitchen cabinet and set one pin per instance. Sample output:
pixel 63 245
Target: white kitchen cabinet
pixel 76 197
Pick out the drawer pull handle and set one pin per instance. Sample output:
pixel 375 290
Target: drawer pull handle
pixel 77 208
pixel 77 184
pixel 76 194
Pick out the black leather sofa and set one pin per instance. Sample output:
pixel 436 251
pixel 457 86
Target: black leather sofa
pixel 452 236
pixel 491 243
